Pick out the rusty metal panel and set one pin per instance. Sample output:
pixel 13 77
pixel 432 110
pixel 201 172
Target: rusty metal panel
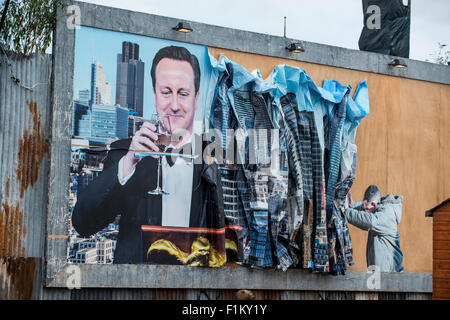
pixel 132 294
pixel 418 296
pixel 323 295
pixel 268 294
pixel 199 294
pixel 17 277
pixel 53 293
pixel 366 296
pixel 228 294
pixel 90 294
pixel 336 295
pixel 42 293
pixel 300 295
pixel 392 296
pixel 24 130
pixel 169 294
pixel 196 294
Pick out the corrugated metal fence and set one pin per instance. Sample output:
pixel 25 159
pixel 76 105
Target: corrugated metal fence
pixel 25 126
pixel 24 129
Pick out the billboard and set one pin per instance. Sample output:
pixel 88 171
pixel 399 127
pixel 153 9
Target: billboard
pixel 137 97
pixel 180 158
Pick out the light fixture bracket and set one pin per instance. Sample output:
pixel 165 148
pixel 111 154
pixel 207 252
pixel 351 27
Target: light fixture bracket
pixel 398 63
pixel 183 27
pixel 295 47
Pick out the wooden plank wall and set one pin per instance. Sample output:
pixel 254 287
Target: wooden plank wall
pixel 402 147
pixel 441 253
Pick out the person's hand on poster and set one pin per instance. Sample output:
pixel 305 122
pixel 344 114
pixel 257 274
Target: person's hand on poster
pixel 348 201
pixel 143 140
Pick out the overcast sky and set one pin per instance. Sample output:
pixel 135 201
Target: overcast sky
pixel 332 22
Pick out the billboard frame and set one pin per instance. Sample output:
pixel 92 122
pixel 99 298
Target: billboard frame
pixel 59 273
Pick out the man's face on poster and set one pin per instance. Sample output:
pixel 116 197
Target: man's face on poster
pixel 370 206
pixel 175 94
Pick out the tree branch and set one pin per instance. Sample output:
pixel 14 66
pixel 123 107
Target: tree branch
pixel 4 15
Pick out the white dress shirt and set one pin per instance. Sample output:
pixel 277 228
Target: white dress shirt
pixel 177 181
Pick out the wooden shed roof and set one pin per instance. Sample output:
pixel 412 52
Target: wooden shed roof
pixel 429 213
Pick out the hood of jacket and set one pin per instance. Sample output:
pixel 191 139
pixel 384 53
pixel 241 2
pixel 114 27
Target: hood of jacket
pixel 394 202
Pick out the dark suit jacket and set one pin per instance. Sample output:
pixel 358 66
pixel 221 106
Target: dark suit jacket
pixel 104 198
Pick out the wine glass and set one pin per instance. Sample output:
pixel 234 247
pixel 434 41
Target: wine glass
pixel 164 133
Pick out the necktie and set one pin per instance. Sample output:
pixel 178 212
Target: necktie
pixel 169 157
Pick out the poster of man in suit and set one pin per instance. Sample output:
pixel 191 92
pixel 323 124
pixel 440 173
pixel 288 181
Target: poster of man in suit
pixel 116 212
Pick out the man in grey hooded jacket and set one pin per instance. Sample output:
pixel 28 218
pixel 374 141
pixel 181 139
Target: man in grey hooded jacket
pixel 380 216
